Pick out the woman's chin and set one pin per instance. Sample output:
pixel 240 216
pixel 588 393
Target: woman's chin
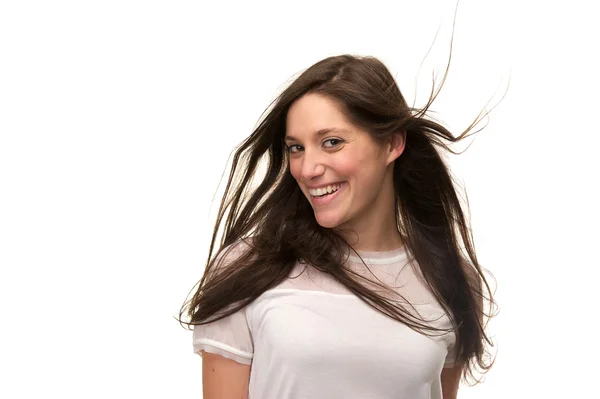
pixel 327 221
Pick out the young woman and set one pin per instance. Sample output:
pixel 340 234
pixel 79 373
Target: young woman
pixel 341 273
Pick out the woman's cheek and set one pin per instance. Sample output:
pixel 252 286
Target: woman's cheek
pixel 294 169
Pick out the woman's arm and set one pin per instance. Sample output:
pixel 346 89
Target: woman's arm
pixel 224 378
pixel 450 380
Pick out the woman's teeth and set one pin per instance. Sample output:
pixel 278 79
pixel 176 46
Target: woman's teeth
pixel 319 192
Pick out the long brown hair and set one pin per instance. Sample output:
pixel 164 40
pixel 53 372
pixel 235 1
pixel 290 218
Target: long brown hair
pixel 276 220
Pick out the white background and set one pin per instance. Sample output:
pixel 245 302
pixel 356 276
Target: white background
pixel 117 119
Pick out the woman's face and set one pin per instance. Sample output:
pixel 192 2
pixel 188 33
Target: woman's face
pixel 325 149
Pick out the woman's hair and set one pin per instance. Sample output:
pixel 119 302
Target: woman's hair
pixel 277 222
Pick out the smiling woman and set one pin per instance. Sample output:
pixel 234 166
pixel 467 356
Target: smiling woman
pixel 343 156
pixel 342 274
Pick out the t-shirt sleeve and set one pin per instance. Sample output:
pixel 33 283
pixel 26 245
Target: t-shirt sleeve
pixel 230 336
pixel 450 360
pixel 450 339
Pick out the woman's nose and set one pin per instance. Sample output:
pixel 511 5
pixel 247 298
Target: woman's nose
pixel 312 166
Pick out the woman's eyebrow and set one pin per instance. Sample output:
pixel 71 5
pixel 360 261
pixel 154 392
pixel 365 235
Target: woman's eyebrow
pixel 320 132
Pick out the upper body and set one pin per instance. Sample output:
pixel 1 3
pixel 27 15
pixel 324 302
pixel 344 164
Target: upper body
pixel 350 160
pixel 310 337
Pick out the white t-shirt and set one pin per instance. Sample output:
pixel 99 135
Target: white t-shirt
pixel 310 337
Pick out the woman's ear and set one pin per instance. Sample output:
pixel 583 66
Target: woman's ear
pixel 395 146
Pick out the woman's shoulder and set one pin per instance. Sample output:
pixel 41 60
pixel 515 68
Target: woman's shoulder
pixel 235 249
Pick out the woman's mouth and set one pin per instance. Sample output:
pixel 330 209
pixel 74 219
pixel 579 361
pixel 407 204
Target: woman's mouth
pixel 323 197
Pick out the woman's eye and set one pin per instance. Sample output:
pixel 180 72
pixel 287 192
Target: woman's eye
pixel 335 142
pixel 290 147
